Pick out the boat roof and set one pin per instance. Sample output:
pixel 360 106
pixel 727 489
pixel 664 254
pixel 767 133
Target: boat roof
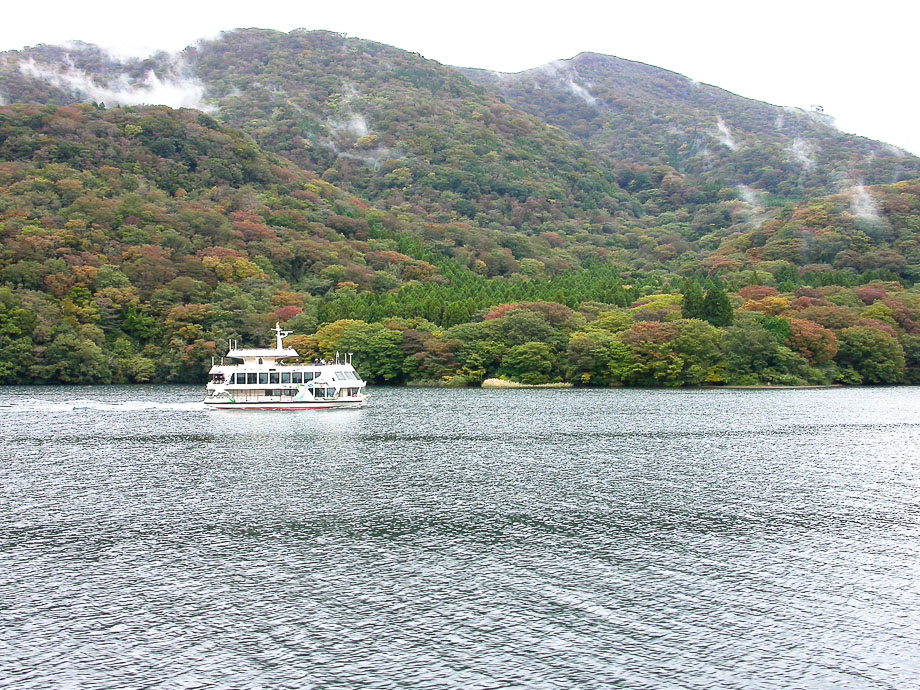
pixel 264 353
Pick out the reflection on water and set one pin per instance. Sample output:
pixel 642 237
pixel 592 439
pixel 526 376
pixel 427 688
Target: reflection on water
pixel 461 539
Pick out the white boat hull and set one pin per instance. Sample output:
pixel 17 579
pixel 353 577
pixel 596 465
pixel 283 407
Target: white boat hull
pixel 305 405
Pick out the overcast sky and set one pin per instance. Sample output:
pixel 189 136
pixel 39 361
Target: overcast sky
pixel 858 61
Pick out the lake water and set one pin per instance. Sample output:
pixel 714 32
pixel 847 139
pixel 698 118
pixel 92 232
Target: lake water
pixel 461 539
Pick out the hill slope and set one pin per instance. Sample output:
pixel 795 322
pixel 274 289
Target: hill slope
pixel 386 124
pixel 640 113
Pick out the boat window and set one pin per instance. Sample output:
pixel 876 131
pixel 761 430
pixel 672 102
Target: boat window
pixel 297 377
pixel 260 361
pixel 273 377
pixel 263 378
pixel 309 376
pixel 251 378
pixel 276 393
pixel 340 375
pixel 352 376
pixel 285 377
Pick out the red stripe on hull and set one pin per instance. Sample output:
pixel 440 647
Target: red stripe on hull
pixel 283 409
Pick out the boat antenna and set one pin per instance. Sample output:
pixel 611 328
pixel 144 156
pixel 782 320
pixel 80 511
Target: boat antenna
pixel 280 335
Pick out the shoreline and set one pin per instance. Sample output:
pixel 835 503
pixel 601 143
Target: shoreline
pixel 769 387
pixel 495 384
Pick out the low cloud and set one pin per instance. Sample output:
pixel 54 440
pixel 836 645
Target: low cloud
pixel 862 204
pixel 173 92
pixel 371 158
pixel 352 123
pixel 581 92
pixel 564 74
pixel 814 115
pixel 347 120
pixel 803 151
pixel 725 136
pixel 749 195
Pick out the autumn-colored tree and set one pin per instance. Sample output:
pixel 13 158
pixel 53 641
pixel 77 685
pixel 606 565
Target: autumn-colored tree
pixel 815 343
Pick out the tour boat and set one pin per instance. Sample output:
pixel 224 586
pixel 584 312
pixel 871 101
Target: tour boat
pixel 264 381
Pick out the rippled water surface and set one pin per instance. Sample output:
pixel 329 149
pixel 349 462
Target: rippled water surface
pixel 461 539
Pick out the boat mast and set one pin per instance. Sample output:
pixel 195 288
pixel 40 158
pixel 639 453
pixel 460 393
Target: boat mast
pixel 280 335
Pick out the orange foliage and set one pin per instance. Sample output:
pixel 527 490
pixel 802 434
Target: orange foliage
pixel 756 292
pixel 771 306
pixel 814 342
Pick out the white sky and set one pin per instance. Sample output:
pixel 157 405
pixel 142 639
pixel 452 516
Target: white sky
pixel 857 60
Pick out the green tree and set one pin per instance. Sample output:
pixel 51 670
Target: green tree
pixel 874 355
pixel 587 358
pixel 16 352
pixel 673 353
pixel 754 354
pixel 531 363
pixel 717 309
pixel 70 358
pixel 378 356
pixel 693 305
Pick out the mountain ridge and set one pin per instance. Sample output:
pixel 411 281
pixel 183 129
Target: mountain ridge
pixel 626 109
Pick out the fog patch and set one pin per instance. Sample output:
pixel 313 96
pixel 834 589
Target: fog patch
pixel 815 116
pixel 347 120
pixel 184 92
pixel 565 76
pixel 371 158
pixel 725 136
pixel 581 92
pixel 862 204
pixel 780 120
pixel 353 123
pixel 899 152
pixel 553 68
pixel 803 151
pixel 3 100
pixel 749 195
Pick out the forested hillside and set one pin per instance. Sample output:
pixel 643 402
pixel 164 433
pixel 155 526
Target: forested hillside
pixel 374 201
pixel 634 112
pixel 383 123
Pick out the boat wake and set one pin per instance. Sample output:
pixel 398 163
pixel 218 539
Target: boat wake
pixel 79 404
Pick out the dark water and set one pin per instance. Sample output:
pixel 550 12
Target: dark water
pixel 461 539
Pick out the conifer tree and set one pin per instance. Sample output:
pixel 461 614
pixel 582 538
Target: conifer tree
pixel 693 306
pixel 717 309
